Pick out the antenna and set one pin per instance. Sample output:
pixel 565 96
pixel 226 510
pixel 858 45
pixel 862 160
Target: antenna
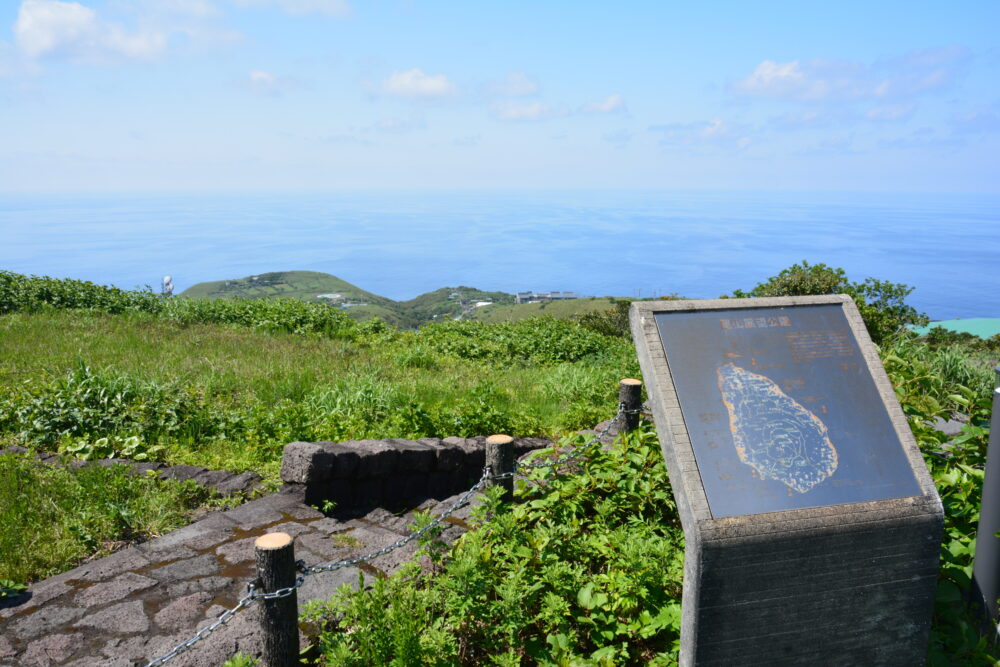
pixel 168 286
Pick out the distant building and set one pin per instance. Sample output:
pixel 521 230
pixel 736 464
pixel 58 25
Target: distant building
pixel 535 297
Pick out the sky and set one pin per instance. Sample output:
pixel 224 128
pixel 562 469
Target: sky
pixel 286 95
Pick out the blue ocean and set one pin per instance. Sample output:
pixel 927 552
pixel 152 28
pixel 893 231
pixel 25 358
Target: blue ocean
pixel 401 244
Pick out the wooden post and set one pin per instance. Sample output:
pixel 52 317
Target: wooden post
pixel 500 459
pixel 279 618
pixel 630 396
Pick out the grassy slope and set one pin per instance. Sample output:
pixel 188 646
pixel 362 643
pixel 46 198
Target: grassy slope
pixel 246 372
pixel 306 285
pixel 557 309
pixel 439 304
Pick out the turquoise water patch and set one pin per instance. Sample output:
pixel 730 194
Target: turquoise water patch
pixel 984 327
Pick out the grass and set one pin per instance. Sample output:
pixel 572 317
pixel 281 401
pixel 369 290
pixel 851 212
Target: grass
pixel 238 395
pixel 54 517
pixel 558 309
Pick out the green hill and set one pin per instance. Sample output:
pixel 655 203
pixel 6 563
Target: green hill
pixel 316 287
pixel 558 309
pixel 311 286
pixel 452 302
pixel 306 285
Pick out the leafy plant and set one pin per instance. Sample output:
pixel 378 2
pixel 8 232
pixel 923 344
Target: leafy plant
pixel 584 570
pixel 882 303
pixel 10 588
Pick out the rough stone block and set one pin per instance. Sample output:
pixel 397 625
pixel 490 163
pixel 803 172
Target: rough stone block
pixel 377 458
pixel 123 617
pixel 306 463
pixel 43 620
pixel 182 611
pixel 524 445
pixel 239 483
pixel 448 456
pixel 51 650
pixel 113 590
pixel 413 456
pixel 474 450
pixel 189 568
pixel 182 473
pixel 346 460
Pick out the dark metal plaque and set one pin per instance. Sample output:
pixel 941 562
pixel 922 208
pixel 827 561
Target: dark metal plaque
pixel 781 410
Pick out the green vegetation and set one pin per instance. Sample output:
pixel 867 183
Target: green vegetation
pixel 568 309
pixel 304 285
pixel 585 569
pixel 322 288
pixel 443 303
pixel 562 577
pixel 227 383
pixel 57 516
pixel 882 303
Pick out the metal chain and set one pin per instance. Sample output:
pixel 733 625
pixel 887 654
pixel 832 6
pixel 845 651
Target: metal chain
pixel 577 452
pixel 463 500
pixel 253 595
pixel 224 618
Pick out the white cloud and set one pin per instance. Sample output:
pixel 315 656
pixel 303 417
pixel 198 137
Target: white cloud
pixel 838 81
pixel 522 111
pixel 50 28
pixel 414 84
pixel 335 8
pixel 715 133
pixel 515 84
pixel 609 104
pixel 196 8
pixel 984 119
pixel 890 112
pixel 263 82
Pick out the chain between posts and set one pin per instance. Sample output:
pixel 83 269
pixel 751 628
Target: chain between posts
pixel 253 595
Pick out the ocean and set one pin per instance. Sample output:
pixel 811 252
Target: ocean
pixel 402 243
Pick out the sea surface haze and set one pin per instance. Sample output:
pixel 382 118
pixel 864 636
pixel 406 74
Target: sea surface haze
pixel 401 244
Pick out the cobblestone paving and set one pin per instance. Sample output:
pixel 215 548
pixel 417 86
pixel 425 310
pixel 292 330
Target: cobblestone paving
pixel 140 602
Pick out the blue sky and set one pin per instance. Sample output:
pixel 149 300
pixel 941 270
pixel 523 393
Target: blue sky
pixel 187 95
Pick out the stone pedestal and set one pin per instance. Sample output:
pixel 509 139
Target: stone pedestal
pixel 812 525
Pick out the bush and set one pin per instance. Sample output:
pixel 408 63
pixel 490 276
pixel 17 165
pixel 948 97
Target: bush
pixel 882 303
pixel 585 570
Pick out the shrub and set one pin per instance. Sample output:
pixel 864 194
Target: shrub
pixel 882 303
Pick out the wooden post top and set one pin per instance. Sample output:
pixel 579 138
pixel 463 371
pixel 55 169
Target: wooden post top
pixel 631 381
pixel 499 439
pixel 272 541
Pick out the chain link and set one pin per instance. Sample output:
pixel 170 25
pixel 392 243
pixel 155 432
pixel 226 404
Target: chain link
pixel 253 595
pixel 224 618
pixel 576 452
pixel 462 500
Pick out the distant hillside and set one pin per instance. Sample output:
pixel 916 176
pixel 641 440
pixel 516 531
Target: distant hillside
pixel 452 302
pixel 444 303
pixel 557 309
pixel 308 286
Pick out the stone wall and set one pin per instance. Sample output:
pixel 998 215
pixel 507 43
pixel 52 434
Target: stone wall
pixel 359 474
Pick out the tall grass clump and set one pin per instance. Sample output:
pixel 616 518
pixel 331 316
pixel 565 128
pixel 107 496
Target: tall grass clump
pixel 19 293
pixel 56 516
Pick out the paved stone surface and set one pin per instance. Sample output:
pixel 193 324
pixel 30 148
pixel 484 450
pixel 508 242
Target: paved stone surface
pixel 138 603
